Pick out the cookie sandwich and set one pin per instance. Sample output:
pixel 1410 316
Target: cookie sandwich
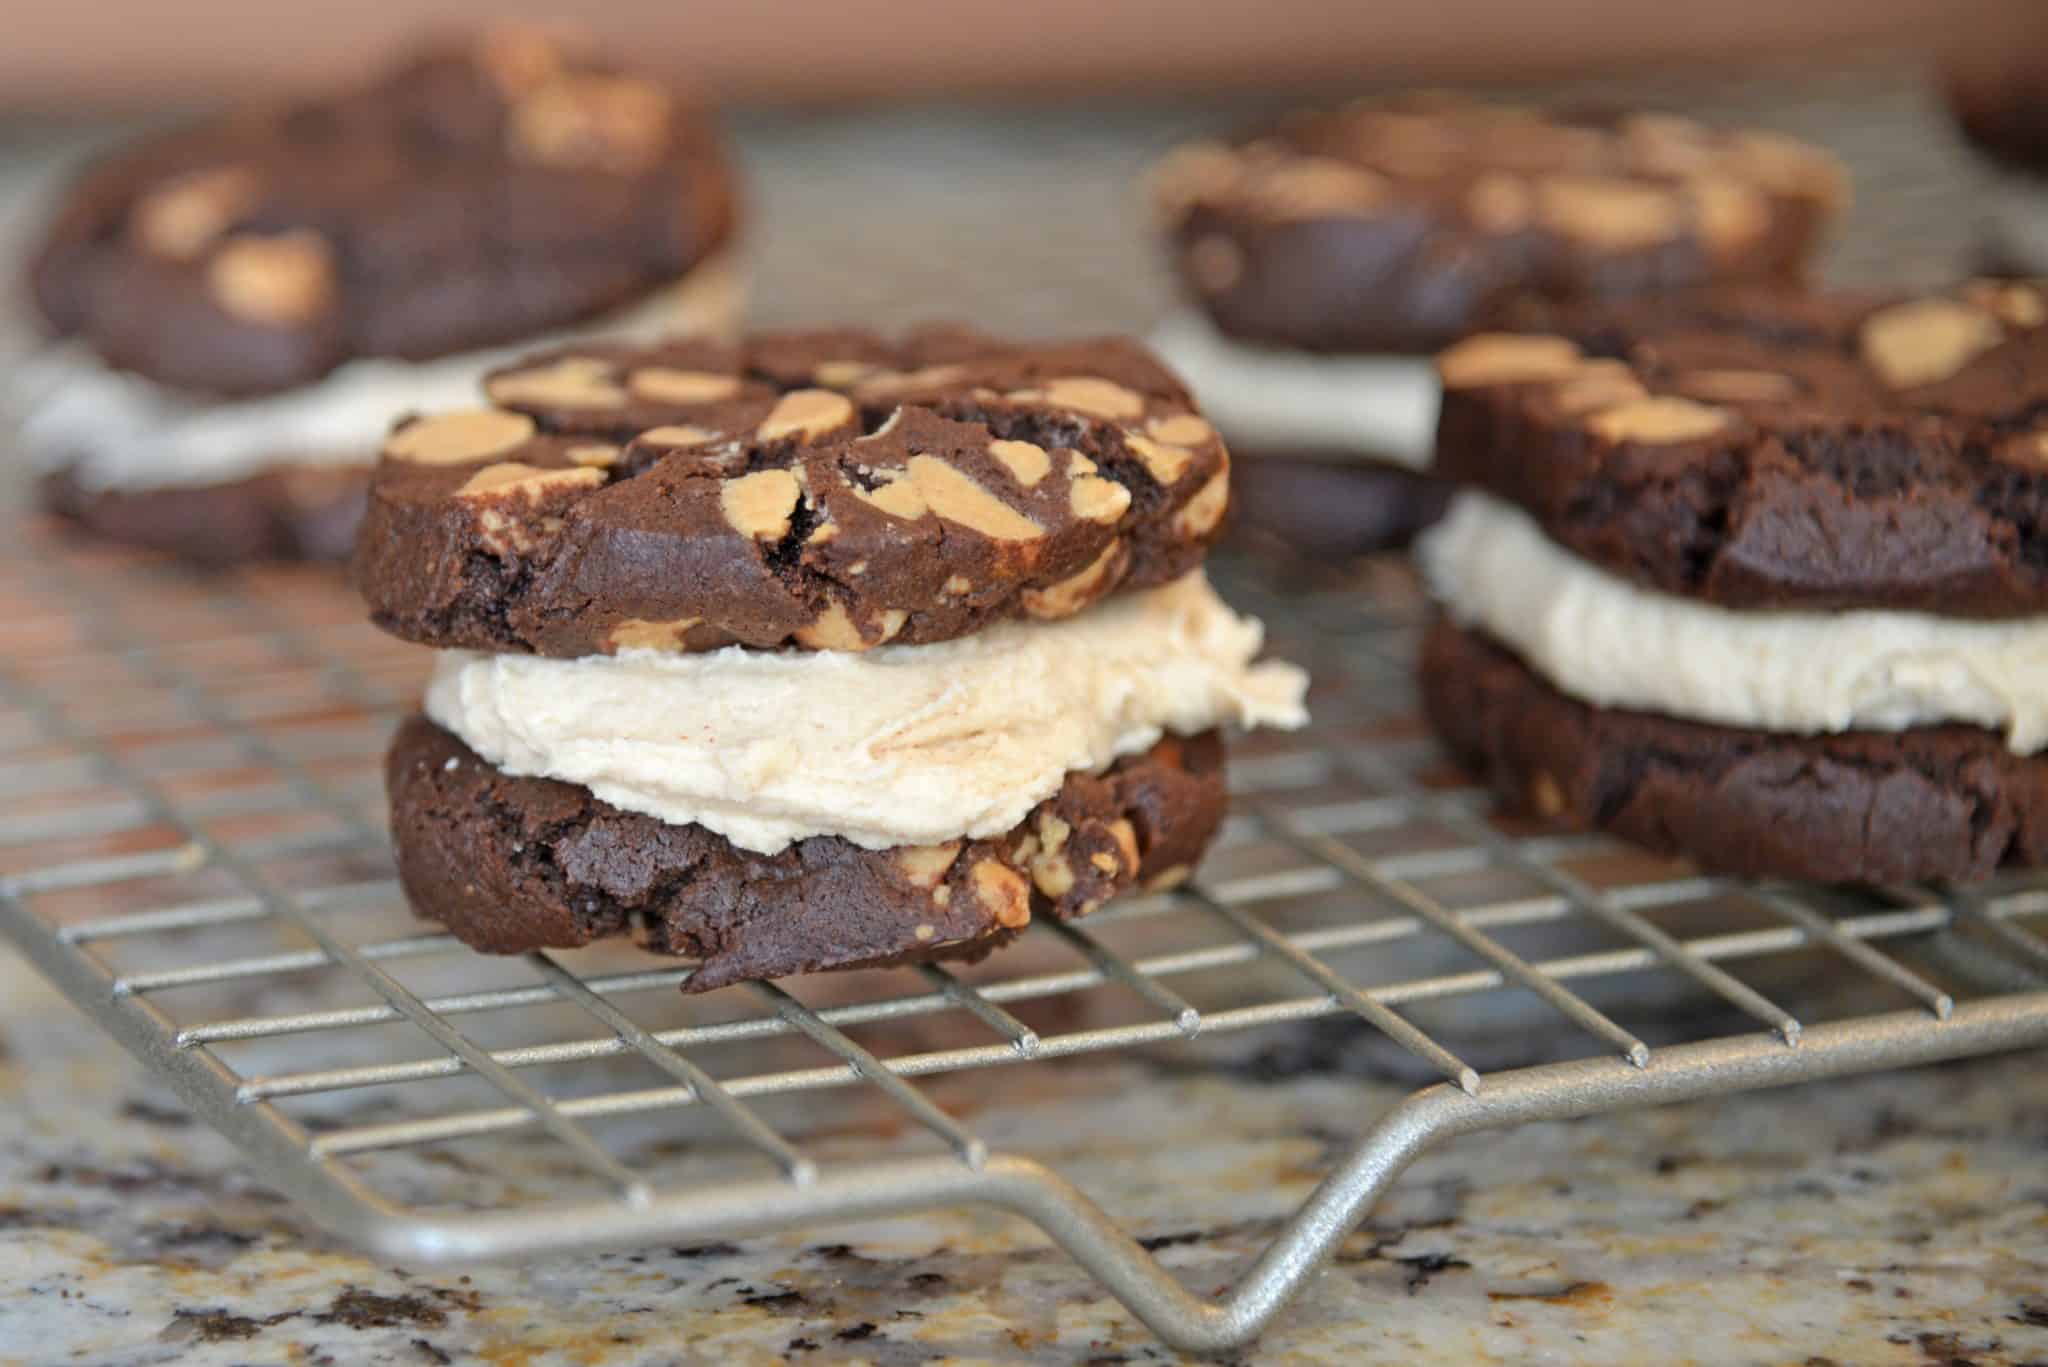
pixel 1328 258
pixel 1762 585
pixel 240 307
pixel 816 651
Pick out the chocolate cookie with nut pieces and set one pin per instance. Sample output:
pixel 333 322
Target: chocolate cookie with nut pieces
pixel 813 491
pixel 515 864
pixel 474 196
pixel 1397 225
pixel 1778 451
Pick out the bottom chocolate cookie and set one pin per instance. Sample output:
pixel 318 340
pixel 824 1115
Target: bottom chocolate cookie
pixel 286 512
pixel 1327 508
pixel 1945 803
pixel 513 864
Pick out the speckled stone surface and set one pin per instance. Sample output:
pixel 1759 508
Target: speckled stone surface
pixel 1889 1220
pixel 1899 1219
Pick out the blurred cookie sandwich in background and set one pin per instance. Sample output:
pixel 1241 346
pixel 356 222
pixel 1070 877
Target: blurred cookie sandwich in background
pixel 243 306
pixel 1328 258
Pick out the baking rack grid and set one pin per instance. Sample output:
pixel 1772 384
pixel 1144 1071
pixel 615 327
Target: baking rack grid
pixel 192 850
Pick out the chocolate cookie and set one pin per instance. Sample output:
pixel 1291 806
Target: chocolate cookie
pixel 288 512
pixel 1398 225
pixel 1939 802
pixel 469 198
pixel 515 864
pixel 1778 451
pixel 821 491
pixel 1327 510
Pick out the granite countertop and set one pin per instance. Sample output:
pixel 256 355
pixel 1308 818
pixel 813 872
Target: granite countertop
pixel 1899 1219
pixel 1892 1219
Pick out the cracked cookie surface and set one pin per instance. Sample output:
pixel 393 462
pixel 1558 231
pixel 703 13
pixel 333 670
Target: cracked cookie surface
pixel 829 490
pixel 512 864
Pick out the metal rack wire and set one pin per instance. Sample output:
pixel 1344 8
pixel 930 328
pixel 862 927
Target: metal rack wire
pixel 192 850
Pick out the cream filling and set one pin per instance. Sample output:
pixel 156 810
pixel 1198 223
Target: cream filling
pixel 1610 643
pixel 1367 407
pixel 117 430
pixel 902 745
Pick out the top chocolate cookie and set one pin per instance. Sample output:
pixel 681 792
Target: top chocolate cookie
pixel 1398 225
pixel 1795 451
pixel 468 198
pixel 818 491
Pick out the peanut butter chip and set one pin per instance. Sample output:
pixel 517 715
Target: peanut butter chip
pixel 638 633
pixel 1199 516
pixel 889 383
pixel 527 481
pixel 1609 384
pixel 1004 893
pixel 956 498
pixel 1738 386
pixel 924 865
pixel 1077 591
pixel 1320 187
pixel 1926 341
pixel 572 382
pixel 677 436
pixel 182 219
pixel 1732 215
pixel 2020 306
pixel 805 413
pixel 1546 799
pixel 1506 358
pixel 1098 499
pixel 840 374
pixel 1164 462
pixel 458 438
pixel 1500 203
pixel 759 505
pixel 617 122
pixel 280 280
pixel 898 495
pixel 1195 173
pixel 833 630
pixel 1126 837
pixel 1045 855
pixel 681 386
pixel 1619 215
pixel 1027 463
pixel 1658 421
pixel 1180 429
pixel 1411 145
pixel 1665 144
pixel 1097 398
pixel 1788 165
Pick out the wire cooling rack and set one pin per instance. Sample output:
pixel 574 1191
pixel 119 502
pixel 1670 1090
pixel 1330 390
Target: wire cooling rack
pixel 192 850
